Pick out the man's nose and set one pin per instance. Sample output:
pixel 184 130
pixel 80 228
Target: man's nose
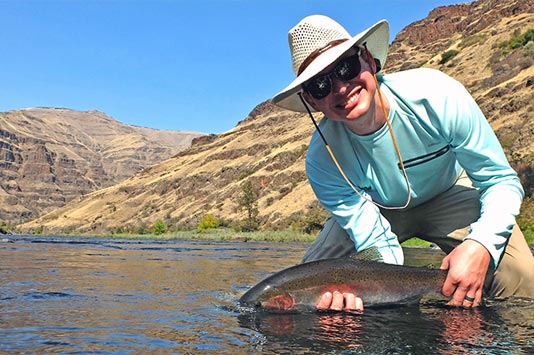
pixel 339 86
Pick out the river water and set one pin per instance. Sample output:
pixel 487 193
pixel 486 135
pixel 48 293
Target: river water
pixel 62 295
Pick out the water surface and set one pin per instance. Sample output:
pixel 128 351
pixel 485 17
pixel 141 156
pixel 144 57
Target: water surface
pixel 118 296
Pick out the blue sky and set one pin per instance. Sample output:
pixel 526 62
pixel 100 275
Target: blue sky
pixel 188 65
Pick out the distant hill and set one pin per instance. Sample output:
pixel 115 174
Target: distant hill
pixel 470 42
pixel 50 156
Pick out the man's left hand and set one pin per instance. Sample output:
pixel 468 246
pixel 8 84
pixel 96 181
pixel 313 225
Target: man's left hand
pixel 467 264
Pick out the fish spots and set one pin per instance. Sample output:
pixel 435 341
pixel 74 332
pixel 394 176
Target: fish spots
pixel 340 287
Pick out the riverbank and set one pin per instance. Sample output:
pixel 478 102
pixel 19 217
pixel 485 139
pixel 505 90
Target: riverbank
pixel 226 234
pixel 221 234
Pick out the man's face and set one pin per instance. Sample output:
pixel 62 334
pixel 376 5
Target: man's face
pixel 348 100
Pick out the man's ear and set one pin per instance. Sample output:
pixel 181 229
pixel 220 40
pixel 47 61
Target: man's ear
pixel 374 63
pixel 378 66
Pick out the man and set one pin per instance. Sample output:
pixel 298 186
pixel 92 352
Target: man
pixel 404 155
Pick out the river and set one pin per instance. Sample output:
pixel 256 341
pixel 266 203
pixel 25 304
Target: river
pixel 67 295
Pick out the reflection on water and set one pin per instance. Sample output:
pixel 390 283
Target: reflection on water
pixel 425 329
pixel 60 295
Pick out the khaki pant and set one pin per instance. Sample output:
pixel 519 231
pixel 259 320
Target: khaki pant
pixel 444 221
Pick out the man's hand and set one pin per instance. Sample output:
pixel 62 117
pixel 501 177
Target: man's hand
pixel 337 301
pixel 467 264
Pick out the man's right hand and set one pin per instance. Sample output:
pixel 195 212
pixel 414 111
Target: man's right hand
pixel 337 301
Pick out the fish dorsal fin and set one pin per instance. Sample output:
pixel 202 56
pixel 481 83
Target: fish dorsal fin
pixel 369 254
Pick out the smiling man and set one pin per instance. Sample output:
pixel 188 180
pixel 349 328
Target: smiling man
pixel 404 155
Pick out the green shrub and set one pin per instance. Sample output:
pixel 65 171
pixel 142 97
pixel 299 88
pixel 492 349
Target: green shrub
pixel 472 40
pixel 208 221
pixel 518 40
pixel 116 230
pixel 416 242
pixel 159 227
pixel 245 174
pixel 310 222
pixel 142 229
pixel 4 228
pixel 303 149
pixel 525 220
pixel 448 55
pixel 529 47
pixel 248 201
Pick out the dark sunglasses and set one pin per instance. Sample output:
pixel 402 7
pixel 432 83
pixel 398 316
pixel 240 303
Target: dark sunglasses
pixel 346 69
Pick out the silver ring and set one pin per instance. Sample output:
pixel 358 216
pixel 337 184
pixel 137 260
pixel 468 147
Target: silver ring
pixel 470 299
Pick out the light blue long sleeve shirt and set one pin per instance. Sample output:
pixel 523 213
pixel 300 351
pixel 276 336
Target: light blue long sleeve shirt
pixel 441 132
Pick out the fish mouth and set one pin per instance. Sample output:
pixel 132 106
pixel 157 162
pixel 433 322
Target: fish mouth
pixel 249 307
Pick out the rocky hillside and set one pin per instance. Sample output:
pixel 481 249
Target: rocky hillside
pixel 49 156
pixel 470 42
pixel 500 78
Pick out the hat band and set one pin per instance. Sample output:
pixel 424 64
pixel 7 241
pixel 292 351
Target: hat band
pixel 313 55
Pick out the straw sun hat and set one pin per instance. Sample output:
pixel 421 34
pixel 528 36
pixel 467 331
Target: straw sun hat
pixel 320 34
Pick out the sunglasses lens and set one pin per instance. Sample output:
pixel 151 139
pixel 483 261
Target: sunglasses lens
pixel 348 68
pixel 319 87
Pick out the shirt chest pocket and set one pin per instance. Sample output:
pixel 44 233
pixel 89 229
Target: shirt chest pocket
pixel 426 159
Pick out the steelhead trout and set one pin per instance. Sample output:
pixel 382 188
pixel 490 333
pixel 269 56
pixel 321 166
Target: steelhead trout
pixel 299 287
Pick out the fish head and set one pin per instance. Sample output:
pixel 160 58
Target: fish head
pixel 275 303
pixel 268 298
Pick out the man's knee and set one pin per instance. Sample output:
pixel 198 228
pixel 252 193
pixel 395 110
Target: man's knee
pixel 515 274
pixel 331 242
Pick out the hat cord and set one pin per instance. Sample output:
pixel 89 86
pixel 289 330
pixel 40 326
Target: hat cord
pixel 342 172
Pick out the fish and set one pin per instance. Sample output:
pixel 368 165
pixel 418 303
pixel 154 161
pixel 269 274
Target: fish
pixel 298 288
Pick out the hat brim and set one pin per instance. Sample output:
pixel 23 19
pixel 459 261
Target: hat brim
pixel 376 38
